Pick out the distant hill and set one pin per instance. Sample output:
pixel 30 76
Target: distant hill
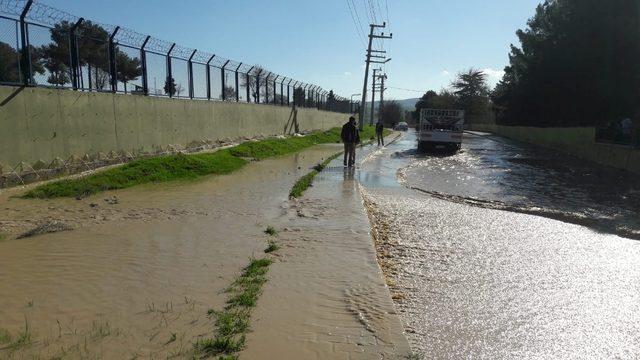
pixel 405 104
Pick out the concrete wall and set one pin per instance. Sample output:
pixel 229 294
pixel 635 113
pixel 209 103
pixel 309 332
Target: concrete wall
pixel 44 124
pixel 576 141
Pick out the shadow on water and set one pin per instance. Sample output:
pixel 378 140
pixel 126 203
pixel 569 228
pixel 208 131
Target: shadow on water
pixel 502 174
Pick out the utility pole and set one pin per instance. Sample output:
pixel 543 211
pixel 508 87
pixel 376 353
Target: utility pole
pixel 373 95
pixel 382 77
pixel 369 61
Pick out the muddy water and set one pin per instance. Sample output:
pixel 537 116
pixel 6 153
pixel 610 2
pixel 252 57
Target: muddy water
pixel 137 276
pixel 471 281
pixel 499 173
pixel 327 298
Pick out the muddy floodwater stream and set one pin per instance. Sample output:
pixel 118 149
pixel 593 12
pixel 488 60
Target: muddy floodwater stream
pixel 141 267
pixel 507 251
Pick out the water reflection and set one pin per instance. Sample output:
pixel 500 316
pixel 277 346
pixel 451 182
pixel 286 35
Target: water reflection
pixel 498 173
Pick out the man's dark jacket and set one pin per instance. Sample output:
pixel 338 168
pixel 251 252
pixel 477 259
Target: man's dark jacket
pixel 350 133
pixel 379 128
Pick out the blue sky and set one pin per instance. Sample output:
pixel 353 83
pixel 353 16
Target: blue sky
pixel 317 42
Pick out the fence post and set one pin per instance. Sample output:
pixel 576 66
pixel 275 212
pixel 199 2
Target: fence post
pixel 274 88
pixel 306 97
pixel 237 84
pixel 289 92
pixel 266 87
pixel 282 91
pixel 113 71
pixel 295 87
pixel 26 53
pixel 170 79
pixel 224 83
pixel 258 86
pixel 249 84
pixel 73 51
pixel 143 60
pixel 208 74
pixel 190 70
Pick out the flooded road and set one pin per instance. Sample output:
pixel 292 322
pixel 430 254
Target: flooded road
pixel 136 277
pixel 506 251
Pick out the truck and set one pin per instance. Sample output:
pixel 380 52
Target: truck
pixel 440 129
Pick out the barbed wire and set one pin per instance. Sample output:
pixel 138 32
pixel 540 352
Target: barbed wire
pixel 45 15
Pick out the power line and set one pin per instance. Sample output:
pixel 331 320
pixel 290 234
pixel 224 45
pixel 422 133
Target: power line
pixel 412 90
pixel 360 27
pixel 359 30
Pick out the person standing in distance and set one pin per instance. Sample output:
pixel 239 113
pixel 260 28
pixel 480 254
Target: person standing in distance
pixel 351 138
pixel 380 132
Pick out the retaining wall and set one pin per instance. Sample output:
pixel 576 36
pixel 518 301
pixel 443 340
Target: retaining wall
pixel 576 141
pixel 40 124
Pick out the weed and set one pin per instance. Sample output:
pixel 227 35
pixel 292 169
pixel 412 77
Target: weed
pixel 5 336
pixel 173 338
pixel 13 343
pixel 273 246
pixel 271 231
pixel 220 345
pixel 305 182
pixel 233 322
pixel 100 330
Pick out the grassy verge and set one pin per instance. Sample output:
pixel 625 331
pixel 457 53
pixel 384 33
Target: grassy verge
pixel 275 147
pixel 233 323
pixel 183 167
pixel 304 182
pixel 160 169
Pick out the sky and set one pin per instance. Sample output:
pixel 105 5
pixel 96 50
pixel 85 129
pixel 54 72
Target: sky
pixel 319 42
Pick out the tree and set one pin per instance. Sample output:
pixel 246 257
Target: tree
pixel 229 93
pixel 425 102
pixel 331 100
pixel 259 76
pixel 299 96
pixel 391 113
pixel 445 100
pixel 92 42
pixel 170 86
pixel 432 100
pixel 9 64
pixel 576 65
pixel 127 68
pixel 472 92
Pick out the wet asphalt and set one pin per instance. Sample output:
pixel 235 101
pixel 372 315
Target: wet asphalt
pixel 505 250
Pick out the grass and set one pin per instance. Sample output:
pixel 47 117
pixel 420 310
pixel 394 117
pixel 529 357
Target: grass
pixel 305 182
pixel 160 169
pixel 7 341
pixel 270 230
pixel 5 336
pixel 273 246
pixel 233 322
pixel 183 167
pixel 275 147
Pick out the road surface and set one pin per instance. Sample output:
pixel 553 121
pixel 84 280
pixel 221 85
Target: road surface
pixel 505 251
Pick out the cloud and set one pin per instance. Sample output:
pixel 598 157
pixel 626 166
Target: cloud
pixel 493 76
pixel 347 73
pixel 444 73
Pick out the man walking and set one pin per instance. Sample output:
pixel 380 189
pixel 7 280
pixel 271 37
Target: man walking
pixel 350 137
pixel 379 132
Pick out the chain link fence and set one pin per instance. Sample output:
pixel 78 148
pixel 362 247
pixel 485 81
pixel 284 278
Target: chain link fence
pixel 44 46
